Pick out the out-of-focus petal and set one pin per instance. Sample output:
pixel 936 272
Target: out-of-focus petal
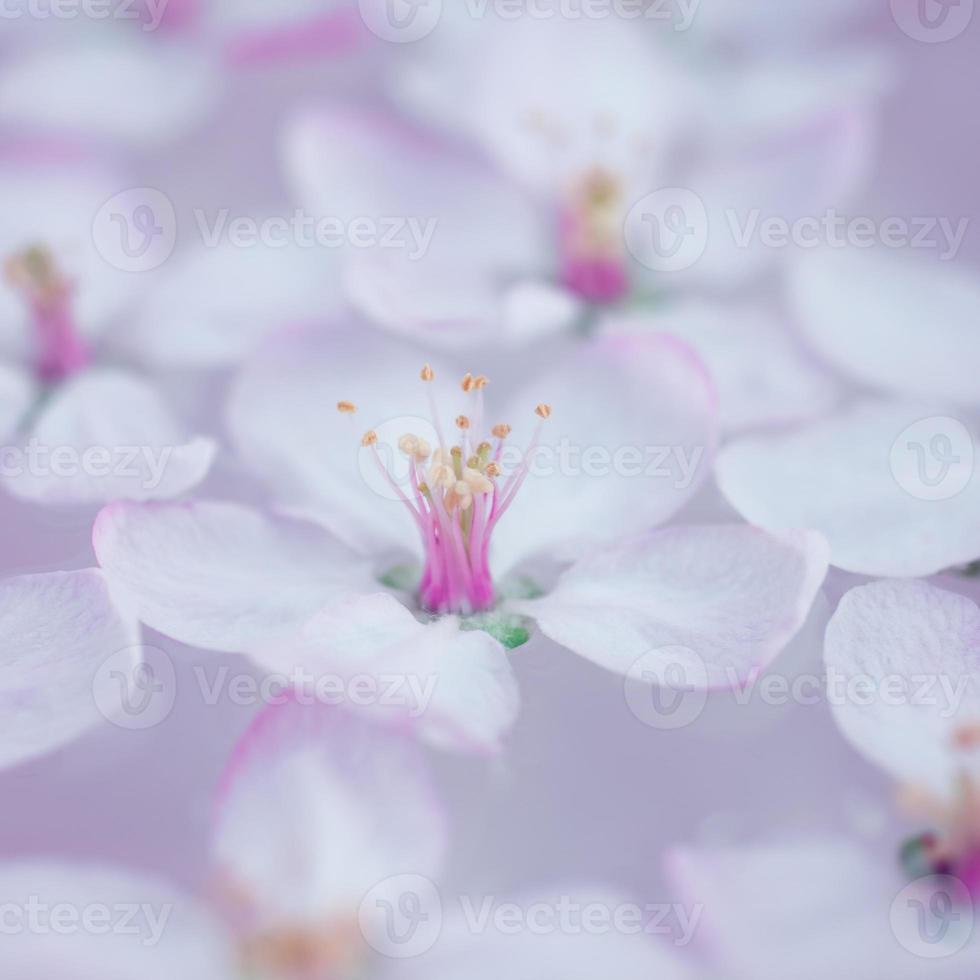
pixel 211 307
pixel 116 87
pixel 220 576
pixel 903 662
pixel 317 808
pixel 106 435
pixel 892 322
pixel 631 436
pixel 890 499
pixel 731 594
pixel 762 375
pixel 115 925
pixel 58 629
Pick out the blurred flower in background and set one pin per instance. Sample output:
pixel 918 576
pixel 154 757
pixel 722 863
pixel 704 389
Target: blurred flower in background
pixel 286 677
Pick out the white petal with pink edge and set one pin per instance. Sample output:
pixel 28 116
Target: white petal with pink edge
pixel 58 630
pixel 904 324
pixel 763 376
pixel 106 435
pixel 630 439
pixel 113 925
pixel 454 686
pixel 319 806
pixel 891 485
pixel 221 576
pixel 731 595
pixel 903 663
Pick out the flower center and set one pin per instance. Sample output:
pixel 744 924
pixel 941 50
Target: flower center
pixel 591 238
pixel 335 952
pixel 457 494
pixel 954 848
pixel 60 349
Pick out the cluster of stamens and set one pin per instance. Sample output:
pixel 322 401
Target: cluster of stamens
pixel 456 494
pixel 954 847
pixel 48 294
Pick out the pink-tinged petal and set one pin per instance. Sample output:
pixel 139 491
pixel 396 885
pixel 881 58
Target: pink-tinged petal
pixel 899 323
pixel 116 88
pixel 891 486
pixel 17 393
pixel 903 669
pixel 106 435
pixel 455 687
pixel 732 594
pixel 283 420
pixel 212 306
pixel 220 576
pixel 615 945
pixel 58 629
pixel 811 908
pixel 112 925
pixel 319 806
pixel 630 439
pixel 762 375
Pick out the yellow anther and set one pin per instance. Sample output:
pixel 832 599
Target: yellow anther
pixel 467 383
pixel 501 431
pixel 370 438
pixel 493 469
pixel 462 422
pixel 346 408
pixel 480 382
pixel 476 481
pixel 427 374
pixel 543 411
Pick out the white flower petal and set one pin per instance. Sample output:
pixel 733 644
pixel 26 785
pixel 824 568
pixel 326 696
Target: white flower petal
pixel 454 686
pixel 212 306
pixel 318 807
pixel 284 423
pixel 732 594
pixel 58 629
pixel 119 87
pixel 889 499
pixel 17 392
pixel 125 926
pixel 631 436
pixel 763 377
pixel 892 322
pixel 903 662
pixel 104 436
pixel 220 576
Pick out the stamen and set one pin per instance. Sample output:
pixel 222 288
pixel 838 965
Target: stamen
pixel 455 502
pixel 346 408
